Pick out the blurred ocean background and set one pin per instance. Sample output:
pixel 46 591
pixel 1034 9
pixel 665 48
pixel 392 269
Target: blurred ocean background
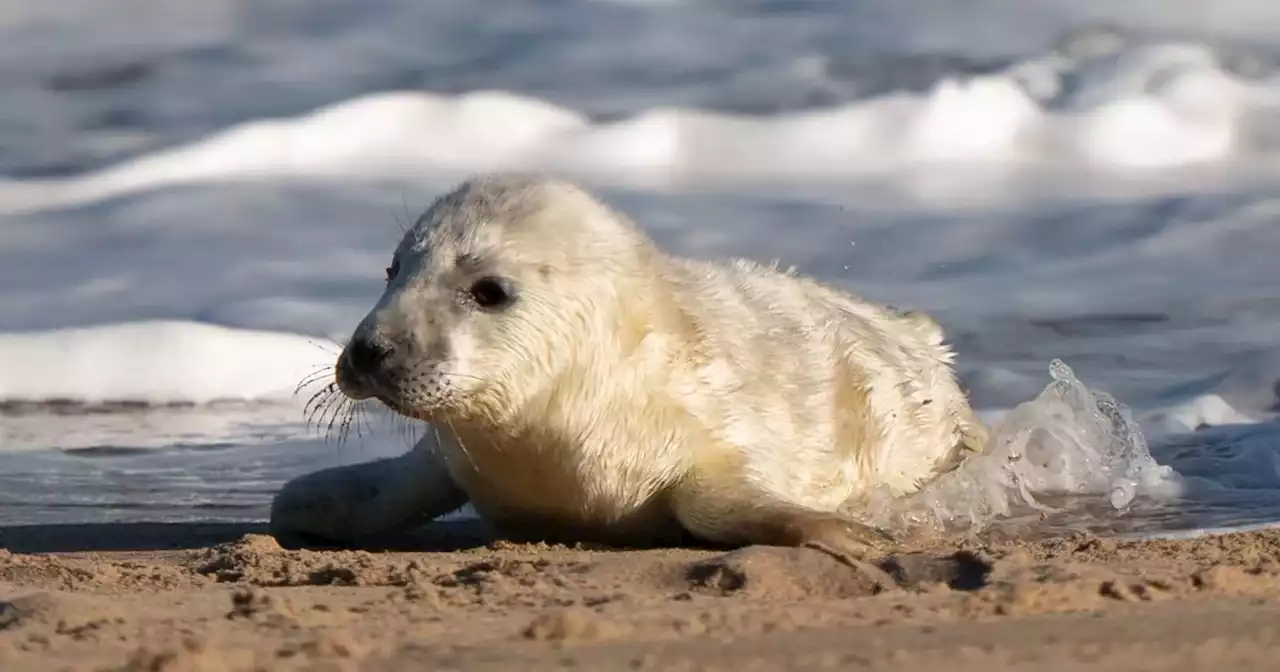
pixel 197 200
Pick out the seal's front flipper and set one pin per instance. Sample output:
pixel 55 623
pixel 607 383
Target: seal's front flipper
pixel 347 503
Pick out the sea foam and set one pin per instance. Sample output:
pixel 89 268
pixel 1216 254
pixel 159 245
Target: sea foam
pixel 156 363
pixel 1145 107
pixel 1068 440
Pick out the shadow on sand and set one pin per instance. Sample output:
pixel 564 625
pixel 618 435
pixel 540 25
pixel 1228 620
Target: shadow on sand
pixel 138 537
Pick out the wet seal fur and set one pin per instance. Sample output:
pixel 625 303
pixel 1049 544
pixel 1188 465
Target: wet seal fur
pixel 583 385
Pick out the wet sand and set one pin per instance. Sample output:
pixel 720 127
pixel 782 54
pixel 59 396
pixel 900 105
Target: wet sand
pixel 228 597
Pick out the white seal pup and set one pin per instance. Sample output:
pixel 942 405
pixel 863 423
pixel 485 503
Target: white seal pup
pixel 582 385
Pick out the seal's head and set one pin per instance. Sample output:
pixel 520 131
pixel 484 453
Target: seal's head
pixel 502 288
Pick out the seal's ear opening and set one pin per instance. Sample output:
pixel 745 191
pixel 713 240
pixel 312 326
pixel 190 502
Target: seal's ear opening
pixel 493 292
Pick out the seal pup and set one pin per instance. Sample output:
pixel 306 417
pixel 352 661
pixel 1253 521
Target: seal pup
pixel 582 385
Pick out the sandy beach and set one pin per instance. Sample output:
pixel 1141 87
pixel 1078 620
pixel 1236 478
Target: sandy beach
pixel 228 597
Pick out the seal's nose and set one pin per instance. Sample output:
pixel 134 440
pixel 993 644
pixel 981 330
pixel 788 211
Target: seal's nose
pixel 367 355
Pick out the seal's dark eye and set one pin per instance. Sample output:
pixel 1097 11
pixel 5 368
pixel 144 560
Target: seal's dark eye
pixel 492 293
pixel 393 270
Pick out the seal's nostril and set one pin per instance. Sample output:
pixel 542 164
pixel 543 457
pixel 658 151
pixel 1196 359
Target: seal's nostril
pixel 366 355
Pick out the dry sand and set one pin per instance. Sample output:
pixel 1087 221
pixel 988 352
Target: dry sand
pixel 227 597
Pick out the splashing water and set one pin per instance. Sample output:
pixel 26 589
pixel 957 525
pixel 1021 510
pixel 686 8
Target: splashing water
pixel 1068 440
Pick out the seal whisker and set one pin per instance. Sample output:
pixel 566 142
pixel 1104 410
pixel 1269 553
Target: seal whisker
pixel 337 414
pixel 337 428
pixel 320 368
pixel 338 423
pixel 308 380
pixel 326 409
pixel 462 446
pixel 318 400
pixel 312 378
pixel 315 370
pixel 455 374
pixel 316 421
pixel 392 420
pixel 337 409
pixel 407 430
pixel 408 216
pixel 362 419
pixel 347 422
pixel 365 419
pixel 324 388
pixel 326 347
pixel 399 426
pixel 314 408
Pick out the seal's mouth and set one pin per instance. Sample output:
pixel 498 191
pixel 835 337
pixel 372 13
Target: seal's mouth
pixel 365 390
pixel 384 384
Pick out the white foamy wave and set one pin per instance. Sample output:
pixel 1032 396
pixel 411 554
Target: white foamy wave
pixel 159 362
pixel 1068 440
pixel 1148 107
pixel 1243 393
pixel 1205 410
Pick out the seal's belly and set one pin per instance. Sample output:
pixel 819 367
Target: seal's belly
pixel 635 531
pixel 533 497
pixel 555 519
